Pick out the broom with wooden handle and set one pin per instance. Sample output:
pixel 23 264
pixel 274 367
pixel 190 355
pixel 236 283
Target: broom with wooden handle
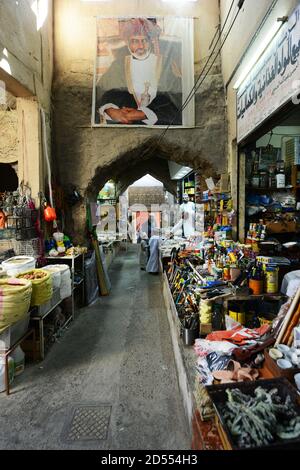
pixel 294 322
pixel 288 317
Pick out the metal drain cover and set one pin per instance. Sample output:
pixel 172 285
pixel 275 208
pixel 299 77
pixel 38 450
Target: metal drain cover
pixel 88 423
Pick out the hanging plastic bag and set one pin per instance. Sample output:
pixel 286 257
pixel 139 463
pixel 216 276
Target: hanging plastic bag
pixel 49 214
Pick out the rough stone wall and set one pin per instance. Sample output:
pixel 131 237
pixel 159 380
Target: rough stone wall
pixel 8 130
pixel 26 46
pixel 86 156
pixel 26 69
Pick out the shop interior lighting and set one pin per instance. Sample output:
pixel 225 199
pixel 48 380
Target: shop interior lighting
pixel 260 50
pixel 182 173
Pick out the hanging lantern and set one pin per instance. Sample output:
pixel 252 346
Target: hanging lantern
pixel 49 214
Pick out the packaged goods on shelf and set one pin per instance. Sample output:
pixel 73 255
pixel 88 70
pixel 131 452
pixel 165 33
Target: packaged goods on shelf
pixel 66 282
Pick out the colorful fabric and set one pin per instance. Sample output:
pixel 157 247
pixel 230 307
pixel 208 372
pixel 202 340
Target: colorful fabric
pixel 239 335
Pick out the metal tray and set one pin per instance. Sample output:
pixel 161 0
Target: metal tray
pixel 218 396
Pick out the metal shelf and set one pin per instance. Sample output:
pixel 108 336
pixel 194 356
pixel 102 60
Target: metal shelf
pixel 43 316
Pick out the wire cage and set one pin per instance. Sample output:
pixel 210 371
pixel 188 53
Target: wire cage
pixel 33 247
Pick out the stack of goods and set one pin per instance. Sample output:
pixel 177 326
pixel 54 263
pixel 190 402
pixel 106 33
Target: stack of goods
pixel 18 264
pixel 58 245
pixel 15 297
pixel 64 280
pixel 42 290
pixel 21 216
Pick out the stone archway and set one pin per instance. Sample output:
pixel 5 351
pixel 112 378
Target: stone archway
pixel 150 157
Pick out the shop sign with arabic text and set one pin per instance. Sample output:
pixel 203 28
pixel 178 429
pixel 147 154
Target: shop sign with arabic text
pixel 273 81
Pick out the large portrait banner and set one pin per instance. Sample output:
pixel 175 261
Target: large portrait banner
pixel 144 72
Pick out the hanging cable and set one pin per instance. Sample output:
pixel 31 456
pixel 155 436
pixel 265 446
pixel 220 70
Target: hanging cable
pixel 206 63
pixel 202 78
pixel 46 155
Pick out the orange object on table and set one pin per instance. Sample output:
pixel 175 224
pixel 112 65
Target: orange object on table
pixel 256 286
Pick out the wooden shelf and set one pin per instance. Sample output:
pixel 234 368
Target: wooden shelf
pixel 250 188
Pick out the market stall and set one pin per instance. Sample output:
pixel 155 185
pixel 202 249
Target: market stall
pixel 236 309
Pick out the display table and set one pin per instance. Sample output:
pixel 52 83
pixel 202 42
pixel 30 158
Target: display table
pixel 40 318
pixel 111 250
pixel 204 433
pixel 6 354
pixel 76 263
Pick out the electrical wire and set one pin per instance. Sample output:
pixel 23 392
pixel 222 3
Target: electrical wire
pixel 197 85
pixel 190 95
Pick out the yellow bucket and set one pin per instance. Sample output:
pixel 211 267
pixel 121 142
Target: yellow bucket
pixel 238 316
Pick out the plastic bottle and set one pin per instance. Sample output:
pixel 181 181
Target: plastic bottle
pixel 19 358
pixel 11 370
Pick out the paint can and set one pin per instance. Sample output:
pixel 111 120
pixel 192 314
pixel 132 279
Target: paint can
pixel 271 280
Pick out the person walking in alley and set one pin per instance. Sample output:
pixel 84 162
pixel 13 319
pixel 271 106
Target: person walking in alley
pixel 144 251
pixel 154 262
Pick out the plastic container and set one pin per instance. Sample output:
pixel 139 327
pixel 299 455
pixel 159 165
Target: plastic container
pixel 19 361
pixel 11 370
pixel 189 336
pixel 257 286
pixel 18 264
pixel 271 281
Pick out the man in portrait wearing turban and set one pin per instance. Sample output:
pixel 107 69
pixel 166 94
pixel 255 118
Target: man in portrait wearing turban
pixel 145 86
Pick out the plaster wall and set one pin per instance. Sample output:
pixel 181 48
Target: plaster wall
pixel 254 22
pixel 26 69
pixel 82 151
pixel 256 18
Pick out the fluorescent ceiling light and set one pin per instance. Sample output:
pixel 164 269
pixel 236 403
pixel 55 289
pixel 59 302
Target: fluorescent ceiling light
pixel 177 172
pixel 258 52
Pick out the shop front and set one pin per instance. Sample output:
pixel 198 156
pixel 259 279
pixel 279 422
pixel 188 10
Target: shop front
pixel 233 306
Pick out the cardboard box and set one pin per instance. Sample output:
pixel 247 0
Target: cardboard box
pixel 282 227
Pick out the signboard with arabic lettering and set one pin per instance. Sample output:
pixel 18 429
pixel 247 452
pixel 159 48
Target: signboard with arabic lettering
pixel 273 81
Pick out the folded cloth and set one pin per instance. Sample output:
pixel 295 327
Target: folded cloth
pixel 239 335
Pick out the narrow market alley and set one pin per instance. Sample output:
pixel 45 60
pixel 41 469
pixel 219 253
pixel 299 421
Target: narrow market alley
pixel 117 361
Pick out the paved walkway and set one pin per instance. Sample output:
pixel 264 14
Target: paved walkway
pixel 118 356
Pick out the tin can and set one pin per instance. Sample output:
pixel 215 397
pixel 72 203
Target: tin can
pixel 240 317
pixel 271 281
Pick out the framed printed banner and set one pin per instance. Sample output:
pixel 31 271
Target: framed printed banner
pixel 144 72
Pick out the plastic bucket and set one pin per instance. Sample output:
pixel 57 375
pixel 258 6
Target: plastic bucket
pixel 189 336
